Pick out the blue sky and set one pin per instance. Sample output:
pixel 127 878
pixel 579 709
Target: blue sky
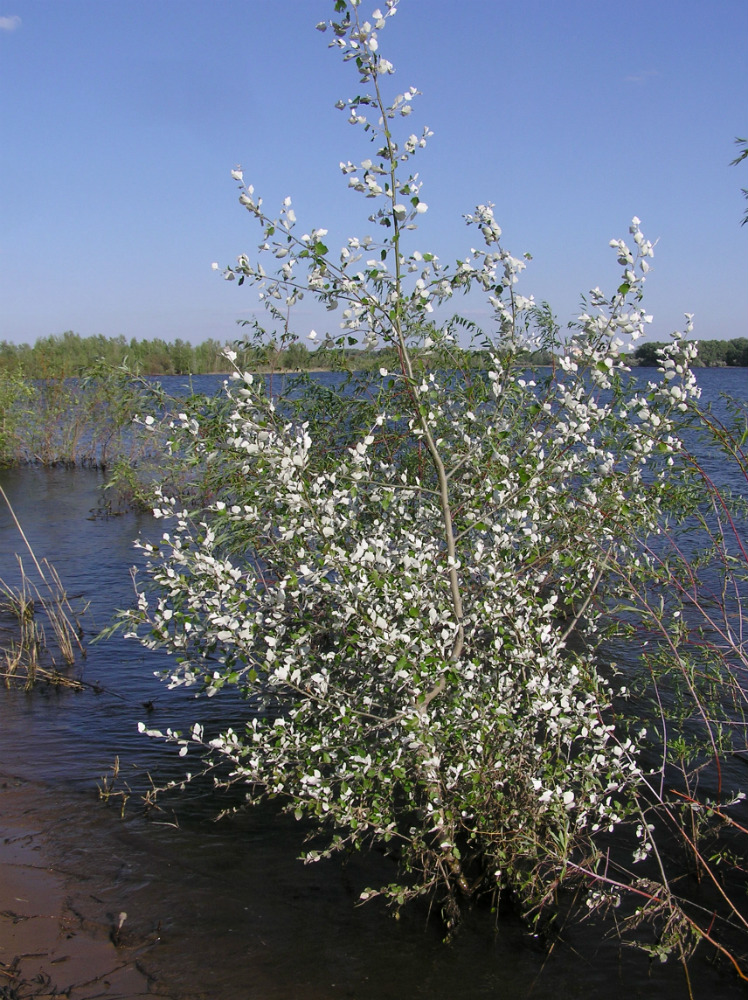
pixel 121 121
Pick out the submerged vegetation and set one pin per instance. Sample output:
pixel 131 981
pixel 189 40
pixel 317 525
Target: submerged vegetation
pixel 40 632
pixel 87 421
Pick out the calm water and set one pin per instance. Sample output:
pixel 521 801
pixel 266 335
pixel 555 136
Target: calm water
pixel 238 916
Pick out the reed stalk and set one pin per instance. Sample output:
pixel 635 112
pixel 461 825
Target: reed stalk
pixel 24 648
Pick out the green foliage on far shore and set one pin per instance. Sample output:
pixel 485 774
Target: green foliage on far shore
pixel 68 355
pixel 710 353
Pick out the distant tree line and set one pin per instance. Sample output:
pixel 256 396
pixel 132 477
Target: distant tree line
pixel 711 353
pixel 68 354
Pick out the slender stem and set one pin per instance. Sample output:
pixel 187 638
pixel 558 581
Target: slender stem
pixel 23 536
pixel 421 414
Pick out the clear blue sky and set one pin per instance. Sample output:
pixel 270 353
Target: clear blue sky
pixel 121 121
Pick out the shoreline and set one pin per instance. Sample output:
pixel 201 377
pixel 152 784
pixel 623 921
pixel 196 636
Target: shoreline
pixel 56 938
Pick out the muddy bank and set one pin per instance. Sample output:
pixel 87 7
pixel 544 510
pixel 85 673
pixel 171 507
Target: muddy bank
pixel 59 935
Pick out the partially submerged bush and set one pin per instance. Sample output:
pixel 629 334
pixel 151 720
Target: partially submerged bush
pixel 15 391
pixel 414 611
pixel 86 421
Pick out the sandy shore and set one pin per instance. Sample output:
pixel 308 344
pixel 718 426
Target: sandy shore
pixel 55 938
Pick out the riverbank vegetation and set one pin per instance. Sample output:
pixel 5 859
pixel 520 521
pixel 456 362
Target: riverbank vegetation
pixel 72 356
pixel 90 421
pixel 69 355
pixel 419 587
pixel 709 353
pixel 40 633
